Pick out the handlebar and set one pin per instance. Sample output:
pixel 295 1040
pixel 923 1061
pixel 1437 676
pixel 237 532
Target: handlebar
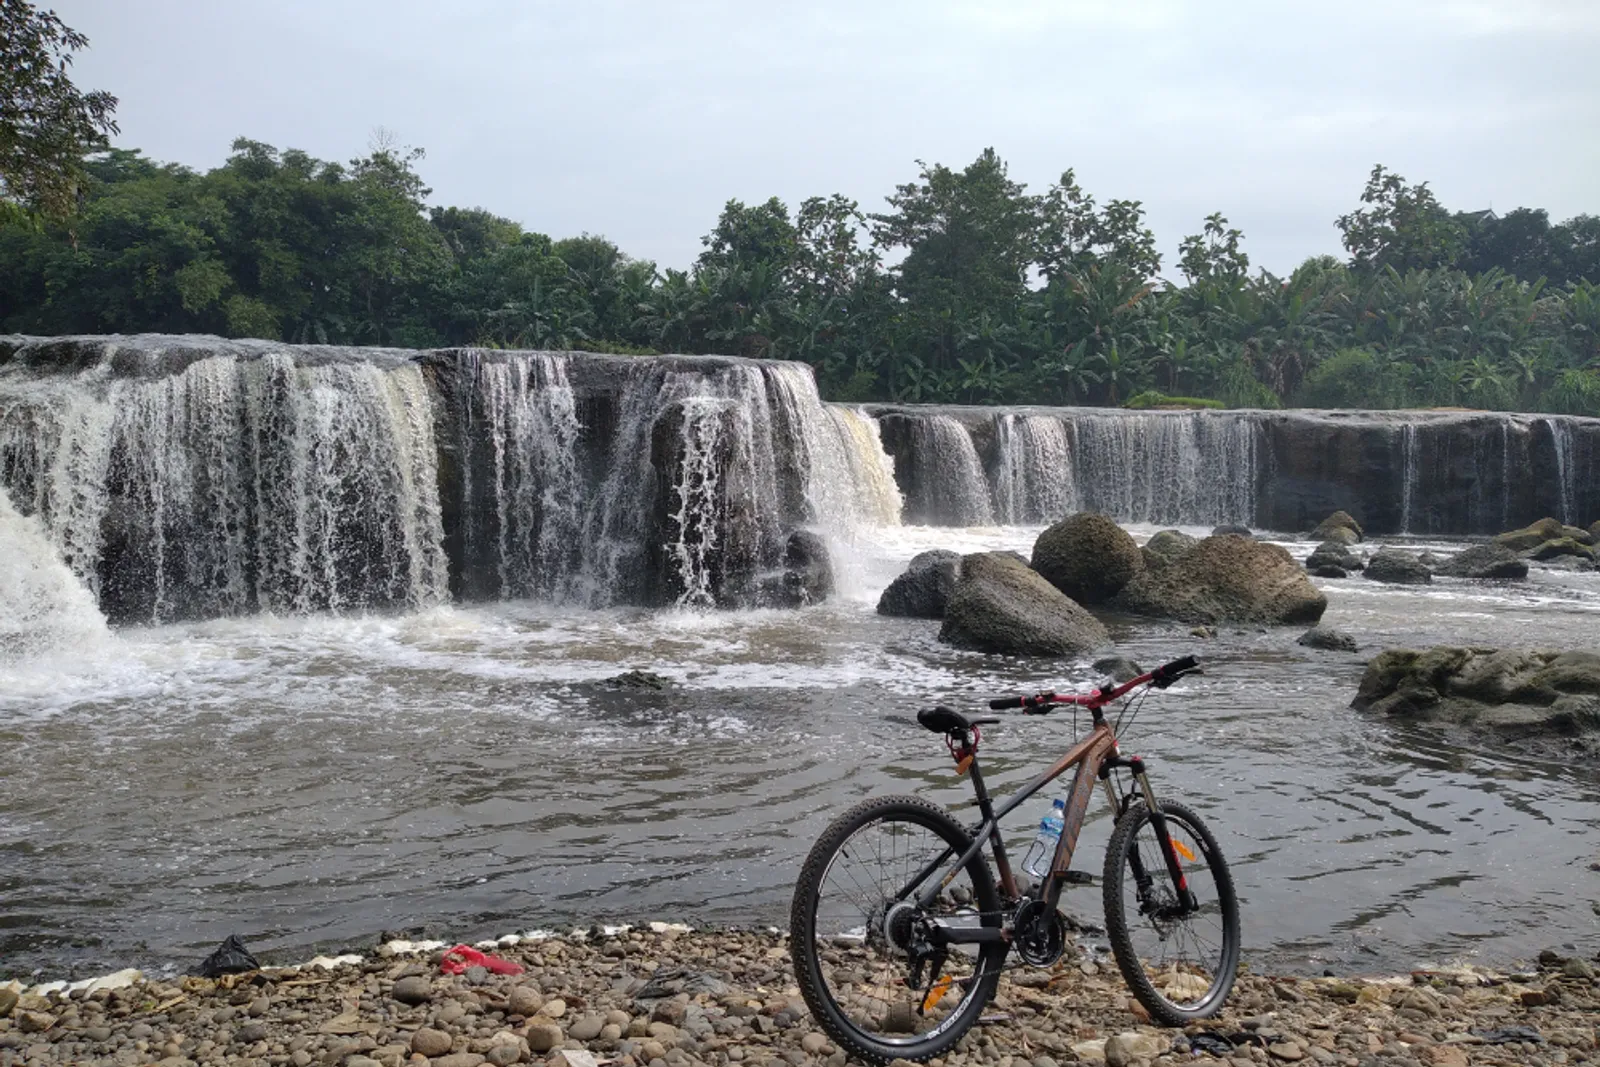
pixel 1040 703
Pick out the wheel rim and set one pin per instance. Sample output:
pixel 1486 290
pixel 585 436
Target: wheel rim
pixel 865 936
pixel 1187 959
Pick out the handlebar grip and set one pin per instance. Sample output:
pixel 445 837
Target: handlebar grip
pixel 1002 703
pixel 1168 673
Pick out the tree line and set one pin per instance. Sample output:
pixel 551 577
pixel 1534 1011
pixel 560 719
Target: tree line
pixel 966 288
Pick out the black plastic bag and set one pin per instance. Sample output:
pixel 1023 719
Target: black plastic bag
pixel 231 957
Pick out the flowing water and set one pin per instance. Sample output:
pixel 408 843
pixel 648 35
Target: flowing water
pixel 317 779
pixel 363 605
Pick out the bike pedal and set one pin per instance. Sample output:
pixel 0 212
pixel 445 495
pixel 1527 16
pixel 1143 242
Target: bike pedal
pixel 1078 878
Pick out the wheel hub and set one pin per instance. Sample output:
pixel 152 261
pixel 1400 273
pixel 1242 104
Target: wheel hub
pixel 898 925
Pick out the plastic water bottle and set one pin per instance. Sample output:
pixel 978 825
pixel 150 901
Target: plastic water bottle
pixel 1043 850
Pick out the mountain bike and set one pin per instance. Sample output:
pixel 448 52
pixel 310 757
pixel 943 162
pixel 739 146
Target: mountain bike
pixel 899 929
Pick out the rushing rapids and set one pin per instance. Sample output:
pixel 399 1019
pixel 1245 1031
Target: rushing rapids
pixel 191 477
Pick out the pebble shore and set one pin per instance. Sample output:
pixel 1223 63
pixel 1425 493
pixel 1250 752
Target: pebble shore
pixel 667 997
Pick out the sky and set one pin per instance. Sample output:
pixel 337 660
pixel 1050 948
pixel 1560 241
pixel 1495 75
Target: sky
pixel 639 120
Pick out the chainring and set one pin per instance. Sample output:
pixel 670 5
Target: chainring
pixel 1039 935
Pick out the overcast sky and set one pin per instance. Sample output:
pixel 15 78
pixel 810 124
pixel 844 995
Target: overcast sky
pixel 638 120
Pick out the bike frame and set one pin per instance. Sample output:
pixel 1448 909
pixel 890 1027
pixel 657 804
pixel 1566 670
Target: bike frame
pixel 1095 757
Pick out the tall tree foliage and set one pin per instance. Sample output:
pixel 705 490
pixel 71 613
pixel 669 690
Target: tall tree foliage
pixel 966 288
pixel 46 122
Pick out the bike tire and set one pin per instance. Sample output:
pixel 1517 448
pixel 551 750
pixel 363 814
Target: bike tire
pixel 808 952
pixel 1222 910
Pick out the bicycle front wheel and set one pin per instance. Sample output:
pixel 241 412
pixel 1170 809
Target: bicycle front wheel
pixel 858 938
pixel 1179 962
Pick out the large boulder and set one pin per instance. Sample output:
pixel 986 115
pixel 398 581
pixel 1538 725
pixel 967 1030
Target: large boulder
pixel 924 587
pixel 1397 567
pixel 1508 693
pixel 1560 546
pixel 1594 531
pixel 1334 554
pixel 1164 547
pixel 1483 561
pixel 1536 534
pixel 1087 556
pixel 1002 605
pixel 1328 529
pixel 1227 579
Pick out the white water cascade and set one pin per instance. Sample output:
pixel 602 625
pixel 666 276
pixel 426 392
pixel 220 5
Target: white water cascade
pixel 1161 467
pixel 952 489
pixel 1561 439
pixel 1034 481
pixel 233 485
pixel 44 608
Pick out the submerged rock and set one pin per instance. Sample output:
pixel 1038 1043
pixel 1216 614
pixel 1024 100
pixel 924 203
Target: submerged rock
pixel 923 589
pixel 807 575
pixel 1340 526
pixel 1087 556
pixel 637 680
pixel 1227 579
pixel 1327 640
pixel 1483 561
pixel 1001 605
pixel 1118 668
pixel 1335 554
pixel 1507 693
pixel 1398 567
pixel 1226 528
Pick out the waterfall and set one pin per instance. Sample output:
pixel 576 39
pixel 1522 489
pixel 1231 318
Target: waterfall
pixel 529 419
pixel 1408 480
pixel 1167 468
pixel 870 470
pixel 43 606
pixel 1561 441
pixel 683 492
pixel 242 482
pixel 949 485
pixel 1034 479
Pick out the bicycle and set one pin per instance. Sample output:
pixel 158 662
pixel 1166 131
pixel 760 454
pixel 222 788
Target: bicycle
pixel 899 931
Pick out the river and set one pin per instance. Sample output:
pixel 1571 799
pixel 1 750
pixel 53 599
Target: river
pixel 309 781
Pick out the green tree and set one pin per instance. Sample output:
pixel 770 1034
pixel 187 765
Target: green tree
pixel 1403 227
pixel 46 123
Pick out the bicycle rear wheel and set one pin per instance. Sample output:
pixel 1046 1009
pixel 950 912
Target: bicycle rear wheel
pixel 1180 964
pixel 855 931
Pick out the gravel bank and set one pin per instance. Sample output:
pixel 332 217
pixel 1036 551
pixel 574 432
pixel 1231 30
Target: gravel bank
pixel 666 998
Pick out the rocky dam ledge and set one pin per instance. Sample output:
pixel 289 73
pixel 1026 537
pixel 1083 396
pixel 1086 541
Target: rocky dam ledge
pixel 1548 700
pixel 671 998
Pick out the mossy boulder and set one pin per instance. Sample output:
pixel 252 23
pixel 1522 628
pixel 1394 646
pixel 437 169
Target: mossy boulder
pixel 1002 605
pixel 1503 693
pixel 1329 529
pixel 1088 557
pixel 1164 547
pixel 1227 579
pixel 1546 529
pixel 1560 546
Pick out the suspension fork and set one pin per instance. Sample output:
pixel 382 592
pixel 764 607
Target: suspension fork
pixel 1158 822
